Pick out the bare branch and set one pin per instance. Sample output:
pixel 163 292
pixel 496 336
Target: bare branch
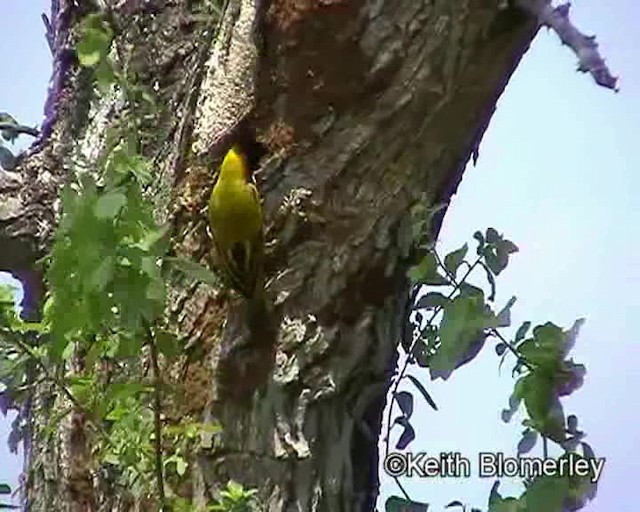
pixel 19 128
pixel 49 34
pixel 585 47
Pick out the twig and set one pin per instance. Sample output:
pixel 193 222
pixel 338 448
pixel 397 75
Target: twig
pixel 406 494
pixel 19 128
pixel 396 384
pixel 49 33
pixel 492 331
pixel 157 410
pixel 585 47
pixel 29 351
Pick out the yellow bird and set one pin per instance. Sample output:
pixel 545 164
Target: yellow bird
pixel 235 217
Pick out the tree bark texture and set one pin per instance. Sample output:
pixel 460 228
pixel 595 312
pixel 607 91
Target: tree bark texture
pixel 363 105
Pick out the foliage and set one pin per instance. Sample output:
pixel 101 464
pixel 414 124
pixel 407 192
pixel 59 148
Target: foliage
pixel 234 499
pixel 452 320
pixel 10 130
pixel 106 278
pixel 5 489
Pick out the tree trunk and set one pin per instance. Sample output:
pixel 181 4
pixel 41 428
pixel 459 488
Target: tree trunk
pixel 364 106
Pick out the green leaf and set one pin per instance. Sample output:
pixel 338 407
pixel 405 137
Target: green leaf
pixel 499 504
pixel 494 495
pixel 549 337
pixel 8 134
pixel 5 117
pixel 480 239
pixel 508 246
pixel 493 262
pixel 193 270
pixel 454 259
pixel 461 323
pixel 167 343
pixel 504 317
pixel 405 402
pixel 7 294
pixel 95 40
pixel 141 168
pixel 490 318
pixel 397 504
pixel 408 433
pixel 522 331
pixel 508 505
pixel 423 391
pixel 531 352
pixel 415 274
pixel 491 280
pixel 553 426
pixel 527 442
pixel 468 290
pixel 492 236
pixel 156 241
pixel 111 458
pixel 82 388
pixel 571 335
pixel 420 353
pixel 181 466
pixel 426 272
pixel 8 161
pixel 149 266
pixel 418 273
pixel 514 400
pixel 58 347
pixel 109 205
pixel 431 300
pixel 436 280
pixel 496 252
pixel 547 493
pixel 104 74
pixel 422 218
pixel 537 394
pixel 124 390
pixel 89 53
pixel 103 274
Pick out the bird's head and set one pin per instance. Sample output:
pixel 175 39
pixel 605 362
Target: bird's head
pixel 234 166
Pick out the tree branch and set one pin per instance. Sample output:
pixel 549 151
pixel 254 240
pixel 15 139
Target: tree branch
pixel 19 128
pixel 585 47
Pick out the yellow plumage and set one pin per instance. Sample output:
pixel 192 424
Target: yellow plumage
pixel 235 217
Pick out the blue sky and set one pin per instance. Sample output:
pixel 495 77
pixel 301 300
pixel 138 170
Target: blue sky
pixel 559 176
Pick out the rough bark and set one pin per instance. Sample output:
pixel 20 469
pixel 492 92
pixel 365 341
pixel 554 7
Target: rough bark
pixel 364 106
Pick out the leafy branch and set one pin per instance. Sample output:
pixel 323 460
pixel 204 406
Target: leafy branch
pixel 451 328
pixel 10 129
